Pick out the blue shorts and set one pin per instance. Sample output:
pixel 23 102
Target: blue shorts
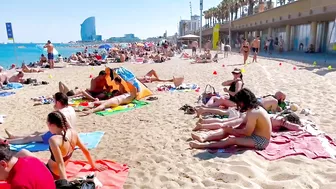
pixel 260 143
pixel 46 136
pixel 50 56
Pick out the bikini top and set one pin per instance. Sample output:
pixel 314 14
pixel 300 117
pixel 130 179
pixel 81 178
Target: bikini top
pixel 66 157
pixel 232 88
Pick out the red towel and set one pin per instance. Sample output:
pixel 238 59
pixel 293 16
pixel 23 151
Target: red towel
pixel 296 143
pixel 112 178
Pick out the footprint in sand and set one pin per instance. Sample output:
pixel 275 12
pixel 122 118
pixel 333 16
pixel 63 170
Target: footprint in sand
pixel 243 170
pixel 283 177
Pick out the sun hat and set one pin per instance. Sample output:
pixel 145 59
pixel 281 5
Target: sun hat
pixel 236 71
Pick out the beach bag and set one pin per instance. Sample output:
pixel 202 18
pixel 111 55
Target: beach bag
pixel 209 92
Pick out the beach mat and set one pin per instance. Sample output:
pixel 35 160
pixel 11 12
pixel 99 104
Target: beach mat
pixel 112 178
pixel 310 142
pixel 185 87
pixel 90 140
pixel 5 93
pixel 124 108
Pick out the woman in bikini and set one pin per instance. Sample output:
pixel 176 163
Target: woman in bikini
pixel 61 146
pixel 236 84
pixel 245 49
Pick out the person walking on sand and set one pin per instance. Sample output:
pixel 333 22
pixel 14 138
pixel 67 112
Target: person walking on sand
pixel 50 50
pixel 255 48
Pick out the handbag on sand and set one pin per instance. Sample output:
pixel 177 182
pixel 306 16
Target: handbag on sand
pixel 209 92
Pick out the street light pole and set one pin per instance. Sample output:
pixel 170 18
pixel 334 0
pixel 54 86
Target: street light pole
pixel 230 26
pixel 201 16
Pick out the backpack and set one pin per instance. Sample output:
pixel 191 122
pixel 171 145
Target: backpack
pixel 209 92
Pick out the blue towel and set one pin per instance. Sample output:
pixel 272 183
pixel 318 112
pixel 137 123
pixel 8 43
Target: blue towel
pixel 14 85
pixel 5 93
pixel 90 140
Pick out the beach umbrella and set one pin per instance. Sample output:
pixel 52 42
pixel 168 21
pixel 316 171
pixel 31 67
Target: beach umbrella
pixel 140 45
pixel 105 46
pixel 115 49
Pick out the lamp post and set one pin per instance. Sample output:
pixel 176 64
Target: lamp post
pixel 201 15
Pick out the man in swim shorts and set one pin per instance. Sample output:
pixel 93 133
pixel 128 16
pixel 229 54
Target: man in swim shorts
pixel 50 50
pixel 255 48
pixel 254 132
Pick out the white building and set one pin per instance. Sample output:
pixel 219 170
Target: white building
pixel 189 26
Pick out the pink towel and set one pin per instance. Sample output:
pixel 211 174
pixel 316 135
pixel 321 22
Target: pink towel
pixel 296 143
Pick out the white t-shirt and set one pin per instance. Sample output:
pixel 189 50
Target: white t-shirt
pixel 70 115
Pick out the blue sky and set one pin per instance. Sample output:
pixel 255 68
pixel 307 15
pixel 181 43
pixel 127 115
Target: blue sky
pixel 59 21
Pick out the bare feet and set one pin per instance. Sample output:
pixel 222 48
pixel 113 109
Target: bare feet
pixel 199 111
pixel 198 127
pixel 199 137
pixel 195 145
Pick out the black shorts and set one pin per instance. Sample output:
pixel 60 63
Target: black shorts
pixel 194 49
pixel 255 49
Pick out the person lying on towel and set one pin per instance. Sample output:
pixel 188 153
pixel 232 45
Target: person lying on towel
pixel 61 146
pixel 152 76
pixel 61 104
pixel 285 120
pixel 123 98
pixel 255 132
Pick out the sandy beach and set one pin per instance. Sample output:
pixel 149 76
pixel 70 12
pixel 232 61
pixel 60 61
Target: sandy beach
pixel 153 140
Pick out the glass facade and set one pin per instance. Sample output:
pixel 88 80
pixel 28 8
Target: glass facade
pixel 88 29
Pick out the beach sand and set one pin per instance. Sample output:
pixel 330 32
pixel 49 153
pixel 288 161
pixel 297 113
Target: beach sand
pixel 153 140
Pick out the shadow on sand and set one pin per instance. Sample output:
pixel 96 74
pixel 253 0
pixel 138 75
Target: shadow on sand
pixel 208 154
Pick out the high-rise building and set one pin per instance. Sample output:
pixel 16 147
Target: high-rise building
pixel 88 30
pixel 189 26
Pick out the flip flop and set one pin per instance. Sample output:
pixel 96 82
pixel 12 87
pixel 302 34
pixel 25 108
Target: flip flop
pixel 152 98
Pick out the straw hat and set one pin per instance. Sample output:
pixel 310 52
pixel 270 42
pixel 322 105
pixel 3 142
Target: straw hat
pixel 236 71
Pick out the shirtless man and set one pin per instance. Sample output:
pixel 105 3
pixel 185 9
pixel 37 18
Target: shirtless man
pixel 122 99
pixel 99 86
pixel 254 132
pixel 194 46
pixel 152 76
pixel 255 48
pixel 50 50
pixel 272 103
pixel 18 78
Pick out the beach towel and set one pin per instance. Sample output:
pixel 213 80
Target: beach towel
pixel 75 102
pixel 91 140
pixel 182 88
pixel 14 85
pixel 112 178
pixel 123 108
pixel 5 93
pixel 311 143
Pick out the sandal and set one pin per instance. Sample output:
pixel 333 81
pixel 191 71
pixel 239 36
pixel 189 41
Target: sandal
pixel 152 98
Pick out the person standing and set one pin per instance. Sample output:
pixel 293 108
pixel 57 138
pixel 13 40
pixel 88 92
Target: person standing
pixel 50 50
pixel 194 46
pixel 255 48
pixel 245 49
pixel 271 45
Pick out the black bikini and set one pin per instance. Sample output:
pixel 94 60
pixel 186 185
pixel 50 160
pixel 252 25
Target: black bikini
pixel 233 89
pixel 65 158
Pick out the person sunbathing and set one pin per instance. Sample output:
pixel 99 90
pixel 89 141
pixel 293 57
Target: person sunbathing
pixel 99 87
pixel 281 121
pixel 4 80
pixel 254 132
pixel 18 78
pixel 228 100
pixel 122 99
pixel 26 69
pixel 61 146
pixel 61 104
pixel 152 76
pixel 273 103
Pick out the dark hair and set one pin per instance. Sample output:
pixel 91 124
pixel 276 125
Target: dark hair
pixel 117 79
pixel 290 117
pixel 62 98
pixel 248 99
pixel 5 152
pixel 58 119
pixel 102 73
pixel 258 36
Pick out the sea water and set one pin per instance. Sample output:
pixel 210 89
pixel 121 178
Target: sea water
pixel 18 53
